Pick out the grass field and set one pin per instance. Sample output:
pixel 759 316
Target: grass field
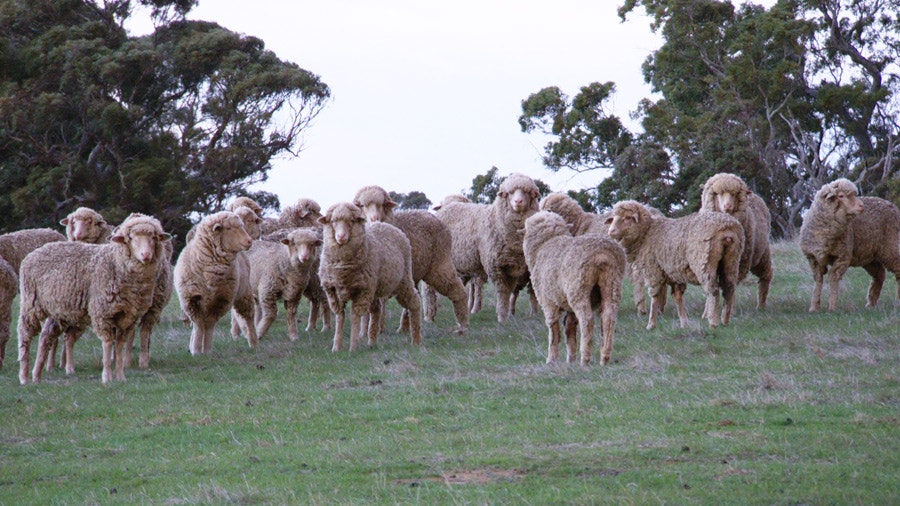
pixel 781 407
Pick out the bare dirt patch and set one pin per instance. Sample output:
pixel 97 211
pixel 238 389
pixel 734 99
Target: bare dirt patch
pixel 468 477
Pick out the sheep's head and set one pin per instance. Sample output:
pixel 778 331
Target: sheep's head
pixel 563 205
pixel 84 224
pixel 544 225
pixel 841 198
pixel 304 213
pixel 375 203
pixel 725 193
pixel 342 222
pixel 143 236
pixel 303 244
pixel 520 193
pixel 228 230
pixel 245 202
pixel 250 219
pixel 628 220
pixel 450 199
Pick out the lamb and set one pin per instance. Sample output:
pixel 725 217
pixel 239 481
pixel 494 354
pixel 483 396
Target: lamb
pixel 728 193
pixel 842 230
pixel 67 286
pixel 699 249
pixel 362 264
pixel 208 282
pixel 430 241
pixel 14 247
pixel 486 242
pixel 281 271
pixel 577 275
pixel 86 225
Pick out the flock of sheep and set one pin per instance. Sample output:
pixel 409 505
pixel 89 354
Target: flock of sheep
pixel 118 279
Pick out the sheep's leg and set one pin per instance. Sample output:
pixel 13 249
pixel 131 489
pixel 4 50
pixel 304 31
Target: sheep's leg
pixel 290 307
pixel 404 322
pixel 504 290
pixel 763 271
pixel 657 299
pixel 447 283
pixel 878 273
pixel 374 316
pixel 119 344
pixel 108 350
pixel 235 326
pixel 409 298
pixel 513 299
pixel 678 295
pixel 712 303
pixel 532 298
pixel 327 316
pixel 146 330
pixel 268 310
pixel 357 311
pixel 339 314
pixel 551 318
pixel 834 284
pixel 430 303
pixel 586 324
pixel 570 325
pixel 476 297
pixel 49 333
pixel 243 310
pixel 127 348
pixel 67 360
pixel 818 277
pixel 51 356
pixel 609 313
pixel 728 290
pixel 313 315
pixel 26 329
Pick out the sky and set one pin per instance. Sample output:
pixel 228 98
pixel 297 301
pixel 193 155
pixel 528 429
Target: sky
pixel 426 95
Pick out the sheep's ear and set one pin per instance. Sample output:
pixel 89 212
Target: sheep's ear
pixel 64 222
pixel 117 238
pixel 390 204
pixel 285 241
pixel 217 227
pixel 318 242
pixel 323 220
pixel 608 221
pixel 165 236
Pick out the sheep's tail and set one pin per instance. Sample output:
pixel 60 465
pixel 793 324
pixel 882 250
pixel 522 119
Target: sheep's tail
pixel 731 244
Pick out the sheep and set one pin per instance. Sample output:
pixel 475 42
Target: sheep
pixel 361 264
pixel 699 249
pixel 728 193
pixel 86 225
pixel 473 285
pixel 14 247
pixel 251 221
pixel 209 283
pixel 245 202
pixel 304 213
pixel 842 230
pixel 430 241
pixel 486 242
pixel 67 286
pixel 582 222
pixel 281 271
pixel 578 275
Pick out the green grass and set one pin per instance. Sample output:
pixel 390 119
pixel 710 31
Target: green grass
pixel 781 407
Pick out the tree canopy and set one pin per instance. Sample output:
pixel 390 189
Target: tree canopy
pixel 787 97
pixel 171 124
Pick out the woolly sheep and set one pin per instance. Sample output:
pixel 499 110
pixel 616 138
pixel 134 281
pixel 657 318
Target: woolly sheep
pixel 577 275
pixel 14 247
pixel 728 193
pixel 208 282
pixel 486 242
pixel 430 241
pixel 303 213
pixel 473 285
pixel 281 271
pixel 251 221
pixel 245 202
pixel 67 286
pixel 841 230
pixel 86 225
pixel 362 264
pixel 699 249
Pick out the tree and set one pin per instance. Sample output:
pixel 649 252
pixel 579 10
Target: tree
pixel 411 200
pixel 171 124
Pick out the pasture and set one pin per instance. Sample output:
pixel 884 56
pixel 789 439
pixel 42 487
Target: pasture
pixel 780 407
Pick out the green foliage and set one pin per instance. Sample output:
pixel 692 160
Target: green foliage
pixel 411 200
pixel 780 407
pixel 171 124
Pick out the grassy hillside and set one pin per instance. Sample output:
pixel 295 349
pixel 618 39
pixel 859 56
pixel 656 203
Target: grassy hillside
pixel 781 407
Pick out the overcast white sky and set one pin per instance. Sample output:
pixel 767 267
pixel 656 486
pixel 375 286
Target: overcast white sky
pixel 426 95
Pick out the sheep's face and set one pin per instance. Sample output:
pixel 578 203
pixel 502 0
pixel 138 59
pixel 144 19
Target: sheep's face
pixel 342 221
pixel 519 200
pixel 374 211
pixel 84 226
pixel 622 224
pixel 143 241
pixel 251 221
pixel 303 246
pixel 726 202
pixel 233 237
pixel 843 200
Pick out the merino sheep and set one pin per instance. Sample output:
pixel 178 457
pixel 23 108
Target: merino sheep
pixel 842 230
pixel 67 286
pixel 251 221
pixel 362 264
pixel 582 222
pixel 473 285
pixel 209 283
pixel 486 242
pixel 699 249
pixel 577 275
pixel 14 247
pixel 86 225
pixel 303 213
pixel 281 271
pixel 245 202
pixel 728 193
pixel 430 241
